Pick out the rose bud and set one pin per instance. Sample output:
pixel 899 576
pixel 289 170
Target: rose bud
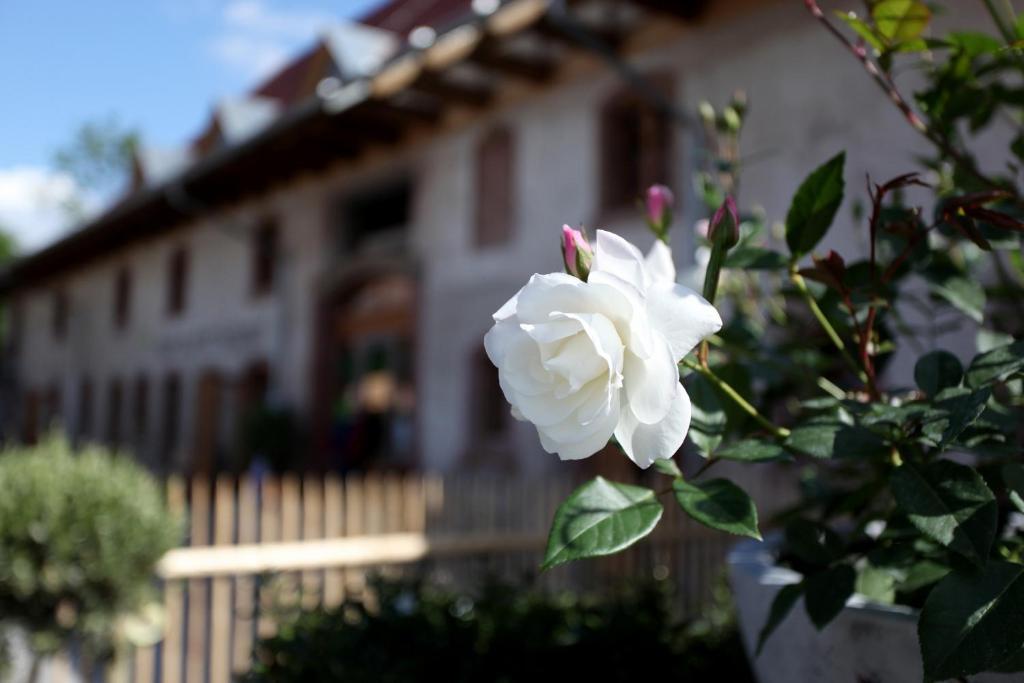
pixel 659 209
pixel 576 253
pixel 725 224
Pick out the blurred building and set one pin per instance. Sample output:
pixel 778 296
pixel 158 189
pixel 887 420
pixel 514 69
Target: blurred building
pixel 311 278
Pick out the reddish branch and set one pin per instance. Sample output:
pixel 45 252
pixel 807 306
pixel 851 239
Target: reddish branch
pixel 888 86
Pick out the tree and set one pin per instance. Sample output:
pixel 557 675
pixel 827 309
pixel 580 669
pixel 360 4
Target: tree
pixel 98 156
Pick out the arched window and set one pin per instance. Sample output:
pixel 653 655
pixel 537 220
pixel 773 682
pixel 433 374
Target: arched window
pixel 635 146
pixel 496 187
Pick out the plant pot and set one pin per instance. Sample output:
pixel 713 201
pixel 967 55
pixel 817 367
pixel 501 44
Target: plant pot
pixel 866 642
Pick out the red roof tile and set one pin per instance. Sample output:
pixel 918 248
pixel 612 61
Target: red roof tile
pixel 402 16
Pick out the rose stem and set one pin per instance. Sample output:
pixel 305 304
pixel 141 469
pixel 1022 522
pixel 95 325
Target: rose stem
pixel 801 285
pixel 775 430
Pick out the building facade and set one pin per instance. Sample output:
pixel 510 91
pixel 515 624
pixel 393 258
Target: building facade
pixel 323 261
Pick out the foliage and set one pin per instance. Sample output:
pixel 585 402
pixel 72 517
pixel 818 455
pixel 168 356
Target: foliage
pixel 99 157
pixel 80 534
pixel 501 634
pixel 911 494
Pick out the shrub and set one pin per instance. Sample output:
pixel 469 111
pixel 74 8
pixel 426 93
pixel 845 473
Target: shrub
pixel 80 534
pixel 420 632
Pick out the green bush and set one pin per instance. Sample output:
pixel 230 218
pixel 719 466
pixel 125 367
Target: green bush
pixel 80 534
pixel 418 632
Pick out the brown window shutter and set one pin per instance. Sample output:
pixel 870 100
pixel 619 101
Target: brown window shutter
pixel 141 407
pixel 264 257
pixel 496 192
pixel 60 315
pixel 122 298
pixel 84 431
pixel 636 146
pixel 115 400
pixel 177 277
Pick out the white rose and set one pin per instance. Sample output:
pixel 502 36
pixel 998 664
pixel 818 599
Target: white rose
pixel 587 360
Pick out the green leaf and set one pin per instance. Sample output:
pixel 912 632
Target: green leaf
pixel 752 450
pixel 834 439
pixel 814 206
pixel 953 410
pixel 936 371
pixel 922 574
pixel 877 585
pixel 862 29
pixel 755 258
pixel 964 294
pixel 719 504
pixel 900 20
pixel 972 621
pixel 668 468
pixel 949 503
pixel 600 518
pixel 812 542
pixel 707 422
pixel 780 609
pixel 996 364
pixel 826 593
pixel 1013 476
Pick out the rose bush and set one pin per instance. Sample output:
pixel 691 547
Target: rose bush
pixel 584 360
pixel 913 494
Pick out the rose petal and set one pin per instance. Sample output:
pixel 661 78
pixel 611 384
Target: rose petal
pixel 644 443
pixel 660 267
pixel 682 316
pixel 553 292
pixel 616 256
pixel 583 445
pixel 650 382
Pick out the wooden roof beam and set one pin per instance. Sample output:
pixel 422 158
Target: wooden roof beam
pixel 448 90
pixel 535 69
pixel 687 10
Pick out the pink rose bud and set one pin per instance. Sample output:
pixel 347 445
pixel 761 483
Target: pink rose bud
pixel 576 253
pixel 659 208
pixel 727 219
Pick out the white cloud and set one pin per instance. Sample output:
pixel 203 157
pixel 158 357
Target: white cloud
pixel 256 38
pixel 33 204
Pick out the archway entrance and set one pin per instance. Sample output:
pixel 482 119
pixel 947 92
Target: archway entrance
pixel 366 402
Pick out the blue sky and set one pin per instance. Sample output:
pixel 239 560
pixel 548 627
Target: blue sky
pixel 156 65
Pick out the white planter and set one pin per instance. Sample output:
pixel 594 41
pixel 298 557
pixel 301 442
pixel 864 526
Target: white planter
pixel 867 642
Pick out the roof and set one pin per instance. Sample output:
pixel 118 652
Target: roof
pixel 403 16
pixel 377 91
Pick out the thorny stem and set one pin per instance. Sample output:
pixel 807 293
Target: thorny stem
pixel 801 285
pixel 890 89
pixel 744 405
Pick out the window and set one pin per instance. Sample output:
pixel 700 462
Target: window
pixel 122 298
pixel 177 275
pixel 30 418
pixel 495 192
pixel 84 431
pixel 636 147
pixel 171 420
pixel 376 215
pixel 60 315
pixel 491 411
pixel 16 326
pixel 114 403
pixel 141 408
pixel 51 407
pixel 264 257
